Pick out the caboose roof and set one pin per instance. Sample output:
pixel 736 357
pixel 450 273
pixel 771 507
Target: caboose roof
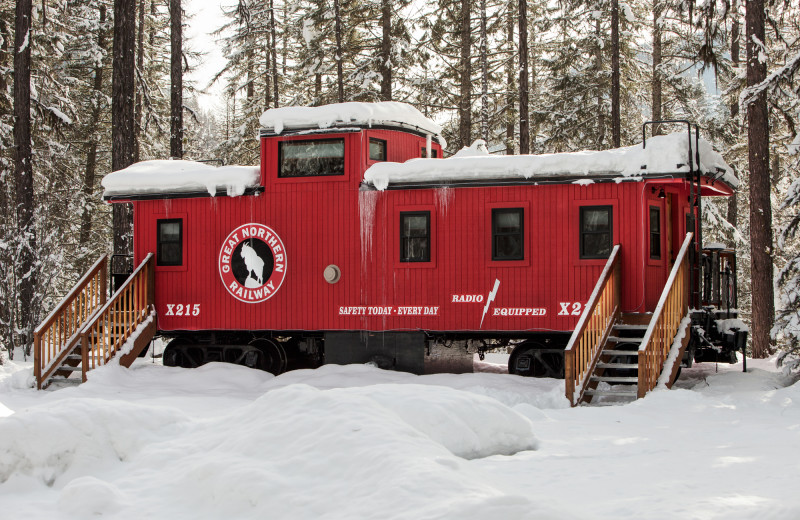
pixel 385 114
pixel 663 156
pixel 147 179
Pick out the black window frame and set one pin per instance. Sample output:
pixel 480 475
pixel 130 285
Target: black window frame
pixel 313 176
pixel 655 235
pixel 160 261
pixel 498 235
pixel 424 153
pixel 584 255
pixel 369 149
pixel 404 238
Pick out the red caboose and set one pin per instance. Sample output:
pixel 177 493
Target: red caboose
pixel 355 242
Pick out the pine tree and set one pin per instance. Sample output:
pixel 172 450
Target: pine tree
pixel 760 205
pixel 122 128
pixel 23 172
pixel 176 79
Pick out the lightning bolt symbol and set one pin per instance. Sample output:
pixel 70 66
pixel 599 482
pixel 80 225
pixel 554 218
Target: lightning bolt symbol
pixel 490 299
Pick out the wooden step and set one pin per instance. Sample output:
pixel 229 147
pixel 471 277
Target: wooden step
pixel 636 318
pixel 613 352
pixel 614 379
pixel 632 392
pixel 601 364
pixel 617 339
pixel 68 368
pixel 625 326
pixel 74 357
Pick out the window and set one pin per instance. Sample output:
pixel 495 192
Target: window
pixel 377 149
pixel 596 232
pixel 507 238
pixel 655 233
pixel 415 236
pixel 424 153
pixel 169 250
pixel 311 158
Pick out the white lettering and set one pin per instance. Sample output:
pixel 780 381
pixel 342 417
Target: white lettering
pixel 577 308
pixel 519 311
pixel 467 298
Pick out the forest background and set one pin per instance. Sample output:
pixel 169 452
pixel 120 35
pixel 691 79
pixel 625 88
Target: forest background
pixel 87 87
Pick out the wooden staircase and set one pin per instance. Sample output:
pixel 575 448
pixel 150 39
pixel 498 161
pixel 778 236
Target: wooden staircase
pixel 86 329
pixel 624 356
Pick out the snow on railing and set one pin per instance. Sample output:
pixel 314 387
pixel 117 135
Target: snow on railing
pixel 593 328
pixel 58 334
pixel 672 307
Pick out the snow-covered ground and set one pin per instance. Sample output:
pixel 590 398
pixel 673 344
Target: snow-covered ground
pixel 349 442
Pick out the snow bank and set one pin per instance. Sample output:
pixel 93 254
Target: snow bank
pixel 76 437
pixel 391 113
pixel 663 155
pixel 224 441
pixel 171 177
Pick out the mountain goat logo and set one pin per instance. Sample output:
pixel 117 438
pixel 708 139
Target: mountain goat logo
pixel 252 263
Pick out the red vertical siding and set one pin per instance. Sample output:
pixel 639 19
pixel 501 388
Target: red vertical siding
pixel 319 223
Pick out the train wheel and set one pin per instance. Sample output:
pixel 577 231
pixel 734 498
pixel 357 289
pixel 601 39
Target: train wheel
pixel 533 359
pixel 264 354
pixel 180 353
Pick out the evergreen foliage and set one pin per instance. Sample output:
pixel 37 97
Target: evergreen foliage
pixel 676 62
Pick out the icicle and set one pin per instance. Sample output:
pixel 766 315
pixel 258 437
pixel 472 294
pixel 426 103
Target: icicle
pixel 367 200
pixel 428 146
pixel 444 196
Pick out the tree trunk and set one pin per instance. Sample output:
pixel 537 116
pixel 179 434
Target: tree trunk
pixel 465 100
pixel 616 134
pixel 760 206
pixel 91 154
pixel 598 67
pixel 735 30
pixel 510 79
pixel 5 107
pixel 137 110
pixel 274 53
pixel 733 207
pixel 484 77
pixel 338 31
pixel 23 173
pixel 385 63
pixel 176 80
pixel 656 101
pixel 267 77
pixel 122 101
pixel 524 116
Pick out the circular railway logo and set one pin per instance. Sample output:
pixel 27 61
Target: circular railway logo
pixel 252 263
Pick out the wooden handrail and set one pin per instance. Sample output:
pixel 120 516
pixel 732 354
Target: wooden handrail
pixel 593 328
pixel 58 334
pixel 672 307
pixel 109 329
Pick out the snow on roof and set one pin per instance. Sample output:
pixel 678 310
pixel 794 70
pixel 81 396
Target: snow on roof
pixel 171 177
pixel 391 113
pixel 665 154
